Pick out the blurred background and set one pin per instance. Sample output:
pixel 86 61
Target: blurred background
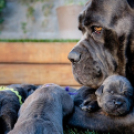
pixel 40 19
pixel 35 39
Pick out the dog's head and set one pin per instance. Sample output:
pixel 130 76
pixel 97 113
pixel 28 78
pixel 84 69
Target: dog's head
pixel 115 96
pixel 106 26
pixel 24 89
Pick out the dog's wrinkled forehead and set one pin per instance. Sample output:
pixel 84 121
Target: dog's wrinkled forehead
pixel 110 6
pixel 95 10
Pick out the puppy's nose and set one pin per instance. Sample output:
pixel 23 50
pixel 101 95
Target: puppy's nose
pixel 118 103
pixel 74 56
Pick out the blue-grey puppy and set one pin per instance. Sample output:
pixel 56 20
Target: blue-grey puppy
pixel 115 96
pixel 11 98
pixel 43 111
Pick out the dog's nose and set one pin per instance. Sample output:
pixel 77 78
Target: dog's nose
pixel 74 56
pixel 118 103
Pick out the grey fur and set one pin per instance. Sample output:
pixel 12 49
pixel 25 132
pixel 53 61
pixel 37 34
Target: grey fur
pixel 43 111
pixel 115 96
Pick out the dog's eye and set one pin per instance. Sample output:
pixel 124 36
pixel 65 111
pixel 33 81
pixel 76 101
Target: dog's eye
pixel 97 29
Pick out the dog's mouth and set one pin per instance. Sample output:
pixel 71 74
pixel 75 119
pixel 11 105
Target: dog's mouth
pixel 88 81
pixel 89 72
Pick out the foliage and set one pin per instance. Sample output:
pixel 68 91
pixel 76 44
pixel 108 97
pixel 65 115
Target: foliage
pixel 72 2
pixel 23 26
pixel 35 40
pixel 2 5
pixel 69 130
pixel 30 12
pixel 30 1
pixel 47 8
pixel 27 2
pixel 75 131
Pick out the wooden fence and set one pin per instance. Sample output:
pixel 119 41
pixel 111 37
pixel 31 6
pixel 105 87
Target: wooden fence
pixel 36 63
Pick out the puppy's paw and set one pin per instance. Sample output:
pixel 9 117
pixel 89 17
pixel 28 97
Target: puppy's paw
pixel 89 106
pixel 85 108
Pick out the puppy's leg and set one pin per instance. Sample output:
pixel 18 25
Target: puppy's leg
pixel 86 99
pixel 89 105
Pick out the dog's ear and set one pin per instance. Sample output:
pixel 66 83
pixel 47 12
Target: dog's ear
pixel 29 88
pixel 99 91
pixel 80 21
pixel 131 3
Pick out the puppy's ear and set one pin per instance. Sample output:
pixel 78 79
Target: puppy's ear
pixel 99 91
pixel 30 91
pixel 29 88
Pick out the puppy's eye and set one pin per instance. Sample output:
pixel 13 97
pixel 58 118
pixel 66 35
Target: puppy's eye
pixel 128 93
pixel 97 29
pixel 112 92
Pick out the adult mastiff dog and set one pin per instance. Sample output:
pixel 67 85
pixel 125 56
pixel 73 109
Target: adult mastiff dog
pixel 107 45
pixel 106 48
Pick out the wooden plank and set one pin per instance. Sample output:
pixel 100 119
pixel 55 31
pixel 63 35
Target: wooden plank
pixel 37 74
pixel 35 52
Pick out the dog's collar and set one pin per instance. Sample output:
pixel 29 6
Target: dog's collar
pixel 2 88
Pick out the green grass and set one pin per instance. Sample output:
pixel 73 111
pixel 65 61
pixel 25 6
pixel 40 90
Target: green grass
pixel 68 130
pixel 35 40
pixel 75 131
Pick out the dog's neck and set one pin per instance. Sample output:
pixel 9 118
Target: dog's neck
pixel 130 51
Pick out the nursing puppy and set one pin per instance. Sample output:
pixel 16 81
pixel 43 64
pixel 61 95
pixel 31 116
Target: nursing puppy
pixel 115 96
pixel 10 104
pixel 43 111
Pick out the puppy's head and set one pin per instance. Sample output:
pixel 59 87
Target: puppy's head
pixel 29 88
pixel 115 96
pixel 56 96
pixel 24 89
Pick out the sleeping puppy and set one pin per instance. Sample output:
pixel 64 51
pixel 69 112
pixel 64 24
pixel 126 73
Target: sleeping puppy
pixel 10 104
pixel 43 111
pixel 115 96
